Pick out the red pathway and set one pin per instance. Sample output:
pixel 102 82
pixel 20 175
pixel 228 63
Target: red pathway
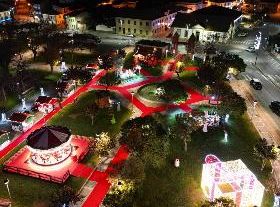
pixel 101 188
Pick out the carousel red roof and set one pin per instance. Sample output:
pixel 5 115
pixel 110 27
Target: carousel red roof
pixel 48 137
pixel 19 117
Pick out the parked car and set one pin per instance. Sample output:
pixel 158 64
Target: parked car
pixel 275 107
pixel 251 49
pixel 256 84
pixel 243 34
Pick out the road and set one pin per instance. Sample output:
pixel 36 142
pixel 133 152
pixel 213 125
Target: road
pixel 261 65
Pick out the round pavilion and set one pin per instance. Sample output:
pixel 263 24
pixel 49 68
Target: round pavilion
pixel 50 145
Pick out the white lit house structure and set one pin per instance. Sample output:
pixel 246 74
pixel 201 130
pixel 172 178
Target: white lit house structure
pixel 145 23
pixel 210 24
pixel 231 179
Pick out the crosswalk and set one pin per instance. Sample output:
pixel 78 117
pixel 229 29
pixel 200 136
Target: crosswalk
pixel 243 42
pixel 275 79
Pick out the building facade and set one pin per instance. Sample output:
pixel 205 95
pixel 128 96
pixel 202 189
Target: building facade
pixel 76 21
pixel 5 15
pixel 142 25
pixel 211 24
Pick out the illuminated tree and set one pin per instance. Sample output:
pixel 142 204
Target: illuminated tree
pixel 104 143
pixel 110 79
pixel 219 202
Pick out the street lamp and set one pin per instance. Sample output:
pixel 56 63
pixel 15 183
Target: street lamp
pixel 132 94
pixel 6 182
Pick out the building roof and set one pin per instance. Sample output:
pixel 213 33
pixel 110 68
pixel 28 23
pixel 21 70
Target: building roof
pixel 221 1
pixel 190 1
pixel 152 43
pixel 213 18
pixel 48 137
pixel 144 14
pixel 4 7
pixel 19 117
pixel 43 99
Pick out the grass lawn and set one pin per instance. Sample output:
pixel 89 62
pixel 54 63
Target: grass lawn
pixel 190 78
pixel 154 71
pixel 172 91
pixel 12 101
pixel 75 118
pixel 170 186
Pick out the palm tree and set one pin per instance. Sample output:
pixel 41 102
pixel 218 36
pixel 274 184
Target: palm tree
pixel 265 152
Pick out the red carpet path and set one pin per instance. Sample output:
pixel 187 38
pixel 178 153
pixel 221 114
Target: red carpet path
pixel 101 188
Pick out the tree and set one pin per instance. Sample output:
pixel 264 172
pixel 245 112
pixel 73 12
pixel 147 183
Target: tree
pixel 52 54
pixel 227 60
pixel 232 103
pixel 264 152
pixel 104 143
pixel 190 44
pixel 147 139
pixel 64 196
pixel 211 74
pixel 128 61
pixel 121 193
pixel 111 78
pixel 91 111
pixel 78 74
pixel 8 48
pixel 185 125
pixel 133 169
pixel 219 202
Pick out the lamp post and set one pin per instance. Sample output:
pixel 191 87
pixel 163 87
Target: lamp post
pixel 132 94
pixel 72 41
pixel 6 182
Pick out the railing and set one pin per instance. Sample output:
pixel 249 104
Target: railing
pixel 37 174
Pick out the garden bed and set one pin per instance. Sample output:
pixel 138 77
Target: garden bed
pixel 170 91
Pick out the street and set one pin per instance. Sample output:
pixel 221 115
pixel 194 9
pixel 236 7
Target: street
pixel 260 65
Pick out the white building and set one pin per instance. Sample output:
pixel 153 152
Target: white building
pixel 210 24
pixel 148 23
pixel 76 21
pixel 5 14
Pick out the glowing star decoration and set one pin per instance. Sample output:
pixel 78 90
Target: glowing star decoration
pixel 231 179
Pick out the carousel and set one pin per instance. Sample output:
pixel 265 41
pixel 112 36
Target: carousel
pixel 50 145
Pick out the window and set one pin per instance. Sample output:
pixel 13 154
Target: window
pixel 140 23
pixel 147 23
pixel 134 31
pixel 179 31
pixel 128 30
pixel 147 32
pixel 120 29
pixel 186 33
pixel 140 31
pixel 134 22
pixel 128 21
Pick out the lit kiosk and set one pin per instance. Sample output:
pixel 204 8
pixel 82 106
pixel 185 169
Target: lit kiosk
pixel 21 122
pixel 50 145
pixel 231 179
